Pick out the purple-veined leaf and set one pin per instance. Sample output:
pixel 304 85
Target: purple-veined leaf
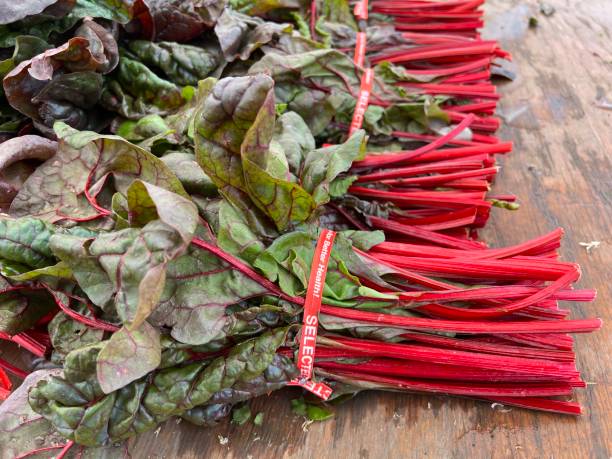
pixel 59 189
pixel 127 356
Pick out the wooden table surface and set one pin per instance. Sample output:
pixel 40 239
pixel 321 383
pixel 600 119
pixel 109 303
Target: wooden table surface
pixel 561 170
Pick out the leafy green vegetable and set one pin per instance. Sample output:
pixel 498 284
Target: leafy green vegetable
pixel 240 146
pixel 127 356
pixel 258 420
pixel 181 64
pixel 57 190
pixel 310 411
pixel 20 310
pixel 240 35
pixel 136 91
pixel 289 258
pixel 241 415
pixel 80 411
pixel 26 241
pixel 67 334
pixel 59 81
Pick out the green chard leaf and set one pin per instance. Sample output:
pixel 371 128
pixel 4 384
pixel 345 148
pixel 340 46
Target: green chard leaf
pixel 240 35
pixel 135 91
pixel 21 429
pixel 78 409
pixel 241 415
pixel 65 83
pixel 181 64
pixel 199 288
pixel 127 356
pixel 56 190
pixel 26 241
pixel 191 175
pixel 131 264
pixel 67 334
pixel 20 310
pixel 59 17
pixel 245 152
pixel 288 260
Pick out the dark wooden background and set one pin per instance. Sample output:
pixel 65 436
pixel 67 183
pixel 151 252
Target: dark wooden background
pixel 561 170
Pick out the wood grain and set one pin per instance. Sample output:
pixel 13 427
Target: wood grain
pixel 561 168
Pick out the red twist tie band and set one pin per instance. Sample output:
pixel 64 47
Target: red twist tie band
pixel 310 322
pixel 361 10
pixel 360 49
pixel 362 101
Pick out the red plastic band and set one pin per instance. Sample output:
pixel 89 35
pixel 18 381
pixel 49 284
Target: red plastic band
pixel 310 323
pixel 361 10
pixel 362 101
pixel 360 49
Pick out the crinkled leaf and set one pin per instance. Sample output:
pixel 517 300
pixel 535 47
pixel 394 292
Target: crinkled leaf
pixel 131 263
pixel 183 121
pixel 190 174
pixel 360 329
pixel 242 149
pixel 178 20
pixel 127 356
pixel 26 241
pixel 199 288
pixel 114 10
pixel 337 11
pixel 84 160
pixel 288 260
pixel 80 411
pixel 339 79
pixel 102 44
pixel 146 127
pixel 26 47
pixel 85 267
pixel 181 64
pixel 20 310
pixel 393 73
pixel 295 139
pixel 67 334
pixel 21 429
pixel 136 90
pixel 235 235
pixel 63 15
pixel 323 166
pixel 265 172
pixel 240 35
pixel 221 124
pixel 241 415
pixel 147 202
pixel 28 78
pixel 207 415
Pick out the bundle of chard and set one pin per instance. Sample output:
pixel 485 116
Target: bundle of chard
pixel 438 181
pixel 237 232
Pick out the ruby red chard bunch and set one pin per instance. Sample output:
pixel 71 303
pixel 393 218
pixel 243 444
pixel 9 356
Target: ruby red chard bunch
pixel 166 187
